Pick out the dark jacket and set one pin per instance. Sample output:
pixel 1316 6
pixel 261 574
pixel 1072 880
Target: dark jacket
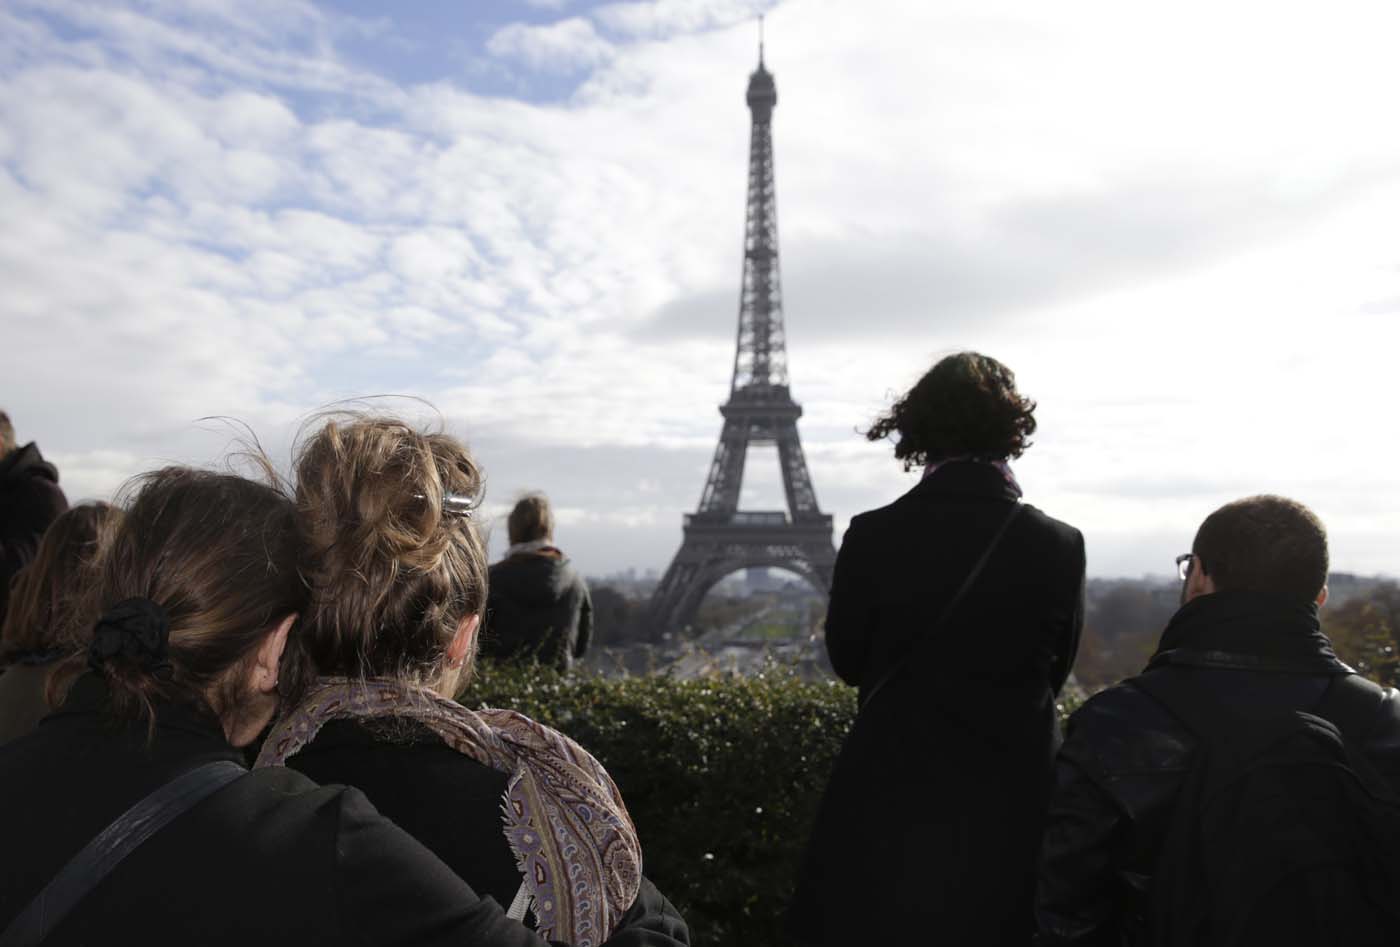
pixel 538 609
pixel 22 699
pixel 30 500
pixel 270 859
pixel 932 818
pixel 1125 757
pixel 452 804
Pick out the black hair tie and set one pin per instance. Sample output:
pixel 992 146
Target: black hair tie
pixel 137 629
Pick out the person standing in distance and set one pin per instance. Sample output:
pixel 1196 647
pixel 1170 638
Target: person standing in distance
pixel 956 610
pixel 30 499
pixel 538 608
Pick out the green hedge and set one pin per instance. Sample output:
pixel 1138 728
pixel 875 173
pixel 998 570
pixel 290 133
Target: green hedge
pixel 722 777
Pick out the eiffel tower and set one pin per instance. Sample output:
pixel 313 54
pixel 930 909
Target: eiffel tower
pixel 719 538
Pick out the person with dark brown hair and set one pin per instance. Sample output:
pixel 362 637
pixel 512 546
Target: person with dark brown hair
pixel 127 815
pixel 539 611
pixel 47 618
pixel 397 576
pixel 1245 787
pixel 30 499
pixel 956 610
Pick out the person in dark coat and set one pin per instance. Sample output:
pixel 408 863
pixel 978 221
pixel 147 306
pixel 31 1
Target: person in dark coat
pixel 30 499
pixel 539 609
pixel 399 575
pixel 1247 635
pixel 199 591
pixel 930 826
pixel 48 617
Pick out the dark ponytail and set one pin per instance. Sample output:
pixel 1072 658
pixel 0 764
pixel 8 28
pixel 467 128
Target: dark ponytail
pixel 200 569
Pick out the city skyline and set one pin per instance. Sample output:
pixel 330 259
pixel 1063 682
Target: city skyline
pixel 1178 228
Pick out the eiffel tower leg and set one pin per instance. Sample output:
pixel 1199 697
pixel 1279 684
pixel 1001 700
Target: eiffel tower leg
pixel 666 600
pixel 797 482
pixel 727 470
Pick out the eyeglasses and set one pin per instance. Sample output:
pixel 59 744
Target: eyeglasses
pixel 1183 564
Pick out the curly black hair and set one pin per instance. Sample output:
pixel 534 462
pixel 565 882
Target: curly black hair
pixel 966 405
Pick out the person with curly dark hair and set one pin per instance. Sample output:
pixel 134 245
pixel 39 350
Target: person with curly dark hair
pixel 965 408
pixel 956 610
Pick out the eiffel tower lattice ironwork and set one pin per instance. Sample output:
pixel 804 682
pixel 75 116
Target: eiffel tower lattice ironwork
pixel 719 538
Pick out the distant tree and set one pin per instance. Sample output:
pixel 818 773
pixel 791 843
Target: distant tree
pixel 613 614
pixel 1365 630
pixel 1123 622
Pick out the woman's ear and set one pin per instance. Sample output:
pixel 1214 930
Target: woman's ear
pixel 461 644
pixel 269 656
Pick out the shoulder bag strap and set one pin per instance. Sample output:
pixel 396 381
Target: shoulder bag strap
pixel 902 660
pixel 118 840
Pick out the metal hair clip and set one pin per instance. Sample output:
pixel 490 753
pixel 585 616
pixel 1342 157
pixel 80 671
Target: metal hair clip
pixel 456 504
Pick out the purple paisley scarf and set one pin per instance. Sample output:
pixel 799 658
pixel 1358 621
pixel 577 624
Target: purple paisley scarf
pixel 573 840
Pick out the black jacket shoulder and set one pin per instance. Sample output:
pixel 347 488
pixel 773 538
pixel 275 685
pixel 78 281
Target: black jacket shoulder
pixel 900 564
pixel 447 800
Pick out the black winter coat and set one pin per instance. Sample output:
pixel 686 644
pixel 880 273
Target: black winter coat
pixel 931 823
pixel 1125 757
pixel 452 804
pixel 269 859
pixel 30 500
pixel 538 609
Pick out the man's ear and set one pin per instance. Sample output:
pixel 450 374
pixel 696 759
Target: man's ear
pixel 1322 597
pixel 269 656
pixel 461 643
pixel 1198 583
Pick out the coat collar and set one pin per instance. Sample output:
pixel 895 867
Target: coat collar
pixel 89 704
pixel 1247 631
pixel 965 478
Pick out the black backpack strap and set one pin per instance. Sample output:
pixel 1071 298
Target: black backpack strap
pixel 1351 704
pixel 97 859
pixel 903 660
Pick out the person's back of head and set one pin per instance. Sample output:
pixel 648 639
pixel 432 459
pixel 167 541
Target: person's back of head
pixel 1268 544
pixel 197 591
pixel 531 520
pixel 395 567
pixel 7 434
pixel 967 405
pixel 48 609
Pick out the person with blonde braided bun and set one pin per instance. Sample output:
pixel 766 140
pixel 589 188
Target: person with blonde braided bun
pixel 397 577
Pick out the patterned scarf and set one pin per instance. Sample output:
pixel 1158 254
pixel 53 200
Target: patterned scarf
pixel 564 818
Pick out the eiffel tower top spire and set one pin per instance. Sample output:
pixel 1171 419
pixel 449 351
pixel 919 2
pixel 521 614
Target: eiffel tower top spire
pixel 760 358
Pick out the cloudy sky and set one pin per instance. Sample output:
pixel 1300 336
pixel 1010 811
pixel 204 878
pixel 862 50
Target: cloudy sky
pixel 1180 226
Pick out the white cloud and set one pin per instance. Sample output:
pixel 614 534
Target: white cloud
pixel 1182 242
pixel 563 46
pixel 664 18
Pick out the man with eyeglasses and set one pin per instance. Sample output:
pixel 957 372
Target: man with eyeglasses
pixel 1178 815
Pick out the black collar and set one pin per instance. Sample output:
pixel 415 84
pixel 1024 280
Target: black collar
pixel 89 701
pixel 1247 631
pixel 965 478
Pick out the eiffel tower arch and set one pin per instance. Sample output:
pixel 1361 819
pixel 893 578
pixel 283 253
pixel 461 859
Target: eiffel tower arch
pixel 719 538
